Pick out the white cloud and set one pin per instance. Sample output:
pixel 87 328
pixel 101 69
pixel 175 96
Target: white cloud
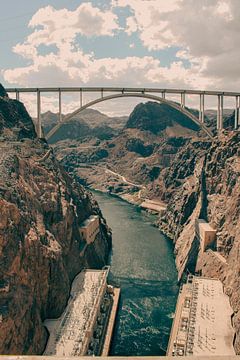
pixel 206 32
pixel 86 20
pixel 132 25
pixel 60 28
pixel 149 18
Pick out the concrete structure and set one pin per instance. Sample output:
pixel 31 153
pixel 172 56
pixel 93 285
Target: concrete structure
pixel 111 322
pixel 156 94
pixel 202 324
pixel 90 228
pixel 153 205
pixel 81 328
pixel 205 233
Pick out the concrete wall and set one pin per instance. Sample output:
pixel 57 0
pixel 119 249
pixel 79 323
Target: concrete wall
pixel 90 229
pixel 205 233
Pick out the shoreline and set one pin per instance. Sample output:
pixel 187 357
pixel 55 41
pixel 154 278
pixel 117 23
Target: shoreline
pixel 143 204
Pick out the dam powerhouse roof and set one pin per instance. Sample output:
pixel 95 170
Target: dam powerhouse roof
pixel 69 333
pixel 202 324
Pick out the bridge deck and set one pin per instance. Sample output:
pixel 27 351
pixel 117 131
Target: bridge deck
pixel 123 89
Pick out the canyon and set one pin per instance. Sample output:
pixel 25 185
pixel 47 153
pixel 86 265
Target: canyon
pixel 41 247
pixel 157 156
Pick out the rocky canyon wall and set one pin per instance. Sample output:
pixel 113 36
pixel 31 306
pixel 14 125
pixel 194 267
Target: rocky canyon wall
pixel 204 182
pixel 41 248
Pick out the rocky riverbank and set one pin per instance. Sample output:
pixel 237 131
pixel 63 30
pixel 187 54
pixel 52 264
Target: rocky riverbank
pixel 41 210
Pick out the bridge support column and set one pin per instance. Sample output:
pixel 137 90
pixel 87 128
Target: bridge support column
pixel 237 113
pixel 17 95
pixel 163 95
pixel 39 121
pixel 220 113
pixel 81 98
pixel 201 112
pixel 183 100
pixel 60 105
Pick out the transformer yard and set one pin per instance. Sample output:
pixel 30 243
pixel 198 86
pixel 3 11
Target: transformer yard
pixel 202 324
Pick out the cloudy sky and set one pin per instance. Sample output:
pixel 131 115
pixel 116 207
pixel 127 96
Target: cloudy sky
pixel 158 43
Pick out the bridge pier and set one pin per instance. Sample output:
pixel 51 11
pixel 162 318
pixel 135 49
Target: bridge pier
pixel 39 120
pixel 60 105
pixel 81 98
pixel 163 95
pixel 237 113
pixel 17 95
pixel 201 111
pixel 220 112
pixel 183 100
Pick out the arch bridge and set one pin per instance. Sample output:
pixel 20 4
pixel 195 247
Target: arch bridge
pixel 156 94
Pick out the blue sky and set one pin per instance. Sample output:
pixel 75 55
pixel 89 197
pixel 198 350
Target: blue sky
pixel 158 43
pixel 13 29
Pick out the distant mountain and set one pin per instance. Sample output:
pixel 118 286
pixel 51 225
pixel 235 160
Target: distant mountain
pixel 74 129
pixel 229 121
pixel 95 118
pixel 89 122
pixel 212 114
pixel 211 118
pixel 156 118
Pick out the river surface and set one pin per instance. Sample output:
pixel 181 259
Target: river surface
pixel 142 264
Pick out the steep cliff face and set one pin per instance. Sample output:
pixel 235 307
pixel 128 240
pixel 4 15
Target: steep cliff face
pixel 41 249
pixel 204 181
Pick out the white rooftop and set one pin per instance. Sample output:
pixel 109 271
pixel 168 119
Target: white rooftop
pixel 67 333
pixel 211 319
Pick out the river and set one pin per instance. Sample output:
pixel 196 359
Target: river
pixel 142 264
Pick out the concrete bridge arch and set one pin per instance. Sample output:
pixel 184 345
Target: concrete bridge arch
pixel 172 104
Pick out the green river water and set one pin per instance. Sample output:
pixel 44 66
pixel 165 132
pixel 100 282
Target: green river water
pixel 142 264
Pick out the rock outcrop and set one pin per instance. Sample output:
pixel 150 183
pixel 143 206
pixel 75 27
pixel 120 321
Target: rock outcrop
pixel 204 182
pixel 41 248
pixel 156 117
